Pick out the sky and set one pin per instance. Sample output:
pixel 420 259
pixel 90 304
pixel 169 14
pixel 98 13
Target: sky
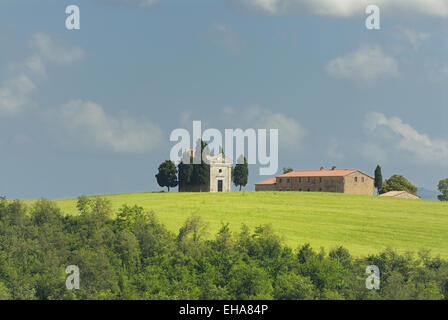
pixel 90 111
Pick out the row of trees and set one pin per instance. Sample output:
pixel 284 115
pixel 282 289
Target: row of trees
pixel 199 174
pixel 133 256
pixel 196 172
pixel 399 183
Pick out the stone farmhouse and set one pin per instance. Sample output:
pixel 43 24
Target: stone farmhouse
pixel 323 180
pixel 220 176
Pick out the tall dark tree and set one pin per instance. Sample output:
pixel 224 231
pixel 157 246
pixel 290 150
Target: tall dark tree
pixel 287 170
pixel 443 188
pixel 167 176
pixel 378 178
pixel 185 169
pixel 201 167
pixel 241 173
pixel 398 183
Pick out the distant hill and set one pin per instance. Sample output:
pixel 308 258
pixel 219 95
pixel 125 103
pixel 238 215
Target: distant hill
pixel 427 194
pixel 362 224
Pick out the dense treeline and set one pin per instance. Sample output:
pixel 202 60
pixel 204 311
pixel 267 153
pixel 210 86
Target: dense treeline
pixel 133 256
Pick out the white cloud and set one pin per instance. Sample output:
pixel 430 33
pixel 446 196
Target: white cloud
pixel 398 137
pixel 21 82
pixel 415 38
pixel 35 65
pixel 346 8
pixel 140 3
pixel 15 94
pixel 290 131
pixel 223 36
pixel 86 122
pixel 368 63
pixel 267 6
pixel 55 52
pixel 83 121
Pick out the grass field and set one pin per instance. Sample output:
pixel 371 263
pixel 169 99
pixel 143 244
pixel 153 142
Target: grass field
pixel 363 224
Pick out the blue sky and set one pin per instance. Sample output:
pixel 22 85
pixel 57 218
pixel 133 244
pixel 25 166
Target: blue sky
pixel 90 111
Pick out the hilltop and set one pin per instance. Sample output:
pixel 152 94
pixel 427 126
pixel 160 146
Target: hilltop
pixel 363 224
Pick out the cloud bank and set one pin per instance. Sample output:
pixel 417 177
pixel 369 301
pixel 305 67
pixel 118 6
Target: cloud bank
pixel 368 63
pixel 345 8
pixel 397 137
pixel 55 52
pixel 86 122
pixel 22 80
pixel 140 3
pixel 291 132
pixel 415 38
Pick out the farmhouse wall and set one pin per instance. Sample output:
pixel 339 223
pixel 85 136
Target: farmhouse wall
pixel 359 183
pixel 312 184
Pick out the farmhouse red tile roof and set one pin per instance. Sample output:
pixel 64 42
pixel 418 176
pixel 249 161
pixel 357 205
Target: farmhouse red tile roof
pixel 318 173
pixel 270 181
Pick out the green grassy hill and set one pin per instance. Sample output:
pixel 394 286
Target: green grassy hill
pixel 363 224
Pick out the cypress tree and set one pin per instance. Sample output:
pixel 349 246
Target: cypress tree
pixel 185 169
pixel 378 179
pixel 241 173
pixel 201 169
